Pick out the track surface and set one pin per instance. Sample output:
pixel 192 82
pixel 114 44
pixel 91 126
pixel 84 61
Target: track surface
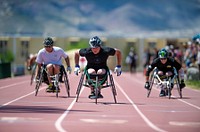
pixel 21 111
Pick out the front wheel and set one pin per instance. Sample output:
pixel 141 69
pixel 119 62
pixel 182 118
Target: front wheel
pixel 96 89
pixel 38 83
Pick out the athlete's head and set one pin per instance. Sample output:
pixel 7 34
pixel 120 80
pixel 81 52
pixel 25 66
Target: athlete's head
pixel 95 42
pixel 48 42
pixel 163 54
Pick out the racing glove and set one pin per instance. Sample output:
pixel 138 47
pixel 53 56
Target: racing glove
pixel 77 70
pixel 118 70
pixel 69 69
pixel 29 68
pixel 147 85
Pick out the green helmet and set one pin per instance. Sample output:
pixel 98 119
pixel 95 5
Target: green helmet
pixel 163 53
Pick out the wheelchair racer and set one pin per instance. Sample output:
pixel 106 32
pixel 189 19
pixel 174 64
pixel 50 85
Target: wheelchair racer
pixel 51 57
pixel 164 66
pixel 96 56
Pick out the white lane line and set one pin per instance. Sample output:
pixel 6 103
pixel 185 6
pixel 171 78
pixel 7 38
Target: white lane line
pixel 189 104
pixel 197 107
pixel 149 123
pixel 21 97
pixel 61 118
pixel 13 84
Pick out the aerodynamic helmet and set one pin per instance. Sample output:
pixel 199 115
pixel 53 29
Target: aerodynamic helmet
pixel 95 42
pixel 48 41
pixel 163 53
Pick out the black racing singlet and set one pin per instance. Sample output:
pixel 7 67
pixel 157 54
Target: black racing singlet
pixel 97 61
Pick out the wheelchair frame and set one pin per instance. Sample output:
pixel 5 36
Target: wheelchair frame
pixel 55 80
pixel 155 79
pixel 96 84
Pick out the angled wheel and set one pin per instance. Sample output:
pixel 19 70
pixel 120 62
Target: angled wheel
pixel 151 82
pixel 113 88
pixel 79 86
pixel 66 81
pixel 38 83
pixel 178 86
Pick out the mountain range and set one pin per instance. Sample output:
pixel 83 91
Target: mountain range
pixel 111 18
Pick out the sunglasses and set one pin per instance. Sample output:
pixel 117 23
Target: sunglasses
pixel 163 58
pixel 47 46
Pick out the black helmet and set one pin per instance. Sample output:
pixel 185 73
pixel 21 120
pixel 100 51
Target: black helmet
pixel 95 42
pixel 163 53
pixel 48 41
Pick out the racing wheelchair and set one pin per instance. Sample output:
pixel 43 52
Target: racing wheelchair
pixel 97 82
pixel 168 82
pixel 55 80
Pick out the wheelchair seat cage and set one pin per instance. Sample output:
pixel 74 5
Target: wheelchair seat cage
pixel 168 82
pixel 54 80
pixel 97 82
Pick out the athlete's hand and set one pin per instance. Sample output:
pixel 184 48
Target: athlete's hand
pixel 147 85
pixel 77 70
pixel 28 68
pixel 118 70
pixel 69 69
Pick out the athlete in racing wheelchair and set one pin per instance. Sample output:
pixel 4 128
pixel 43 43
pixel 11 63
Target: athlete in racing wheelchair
pixel 49 61
pixel 164 66
pixel 96 68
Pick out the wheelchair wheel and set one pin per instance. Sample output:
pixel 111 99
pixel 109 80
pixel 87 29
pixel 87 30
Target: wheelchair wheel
pixel 113 88
pixel 96 89
pixel 151 84
pixel 169 88
pixel 79 86
pixel 178 87
pixel 38 83
pixel 168 91
pixel 56 84
pixel 66 81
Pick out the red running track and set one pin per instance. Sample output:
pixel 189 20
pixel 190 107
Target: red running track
pixel 21 111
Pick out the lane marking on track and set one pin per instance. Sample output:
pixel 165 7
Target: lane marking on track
pixel 189 104
pixel 19 119
pixel 192 124
pixel 61 118
pixel 149 123
pixel 13 84
pixel 21 97
pixel 197 107
pixel 104 121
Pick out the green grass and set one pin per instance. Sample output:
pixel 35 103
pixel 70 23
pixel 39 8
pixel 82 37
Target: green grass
pixel 78 45
pixel 193 84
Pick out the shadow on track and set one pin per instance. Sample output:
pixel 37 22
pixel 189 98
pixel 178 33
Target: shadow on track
pixel 36 109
